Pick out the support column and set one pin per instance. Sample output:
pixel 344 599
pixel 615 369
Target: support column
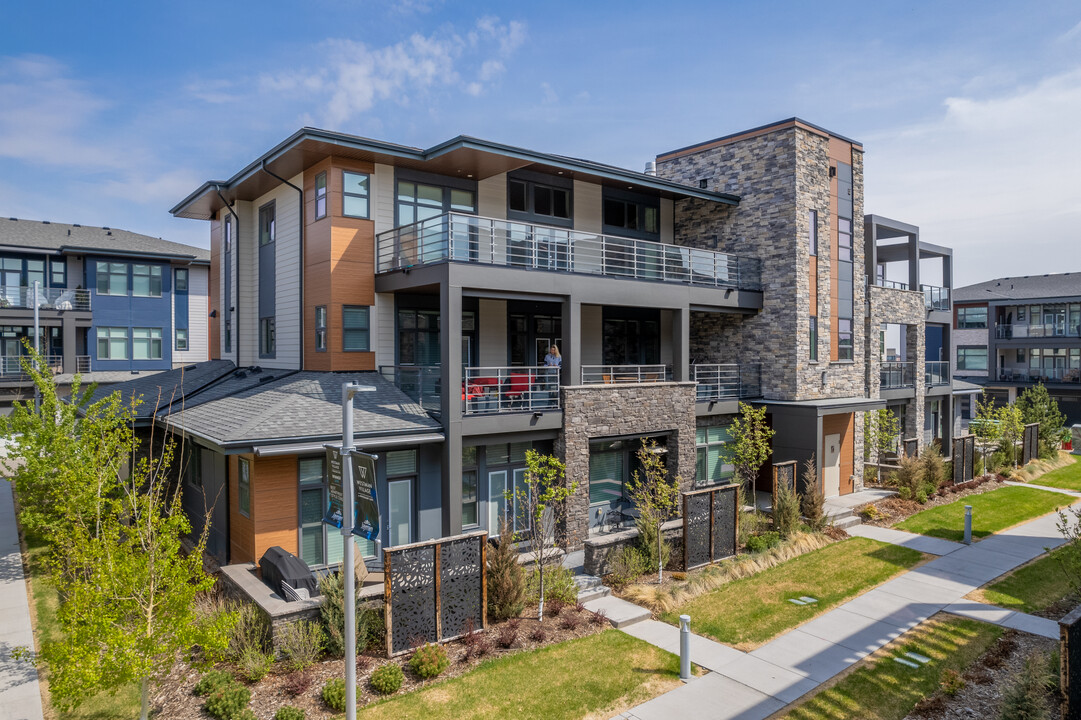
pixel 70 349
pixel 571 373
pixel 681 344
pixel 913 262
pixel 450 355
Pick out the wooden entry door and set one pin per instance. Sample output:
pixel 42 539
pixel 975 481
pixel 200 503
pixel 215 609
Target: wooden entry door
pixel 831 465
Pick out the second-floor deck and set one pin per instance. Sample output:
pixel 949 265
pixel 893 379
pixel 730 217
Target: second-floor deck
pixel 899 375
pixel 936 298
pixel 22 297
pixel 456 237
pixel 1019 331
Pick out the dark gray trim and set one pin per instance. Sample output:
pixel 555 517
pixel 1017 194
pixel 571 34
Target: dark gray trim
pixel 368 196
pixel 300 253
pixel 642 201
pixel 445 182
pixel 369 328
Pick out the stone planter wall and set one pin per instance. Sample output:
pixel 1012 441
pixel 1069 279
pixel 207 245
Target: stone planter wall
pixel 599 548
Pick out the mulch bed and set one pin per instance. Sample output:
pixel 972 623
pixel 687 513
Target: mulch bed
pixel 174 699
pixel 893 510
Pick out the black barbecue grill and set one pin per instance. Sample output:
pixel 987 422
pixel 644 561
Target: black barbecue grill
pixel 281 568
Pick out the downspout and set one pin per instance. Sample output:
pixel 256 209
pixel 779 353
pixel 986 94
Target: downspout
pixel 300 234
pixel 229 303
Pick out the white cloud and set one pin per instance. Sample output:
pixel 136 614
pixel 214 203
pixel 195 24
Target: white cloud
pixel 998 178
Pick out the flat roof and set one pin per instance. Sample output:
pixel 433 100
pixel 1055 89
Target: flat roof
pixel 760 130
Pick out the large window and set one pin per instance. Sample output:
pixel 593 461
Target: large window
pixel 146 343
pixel 320 544
pixel 971 318
pixel 401 477
pixel 470 499
pixel 712 467
pixel 112 278
pixel 355 327
pixel 813 338
pixel 612 464
pixel 355 194
pixel 627 214
pixel 243 487
pixel 321 328
pixel 146 280
pixel 267 224
pixel 418 337
pixel 972 358
pixel 844 339
pixel 112 343
pixel 534 199
pixel 506 486
pixel 417 201
pixel 320 196
pixel 267 337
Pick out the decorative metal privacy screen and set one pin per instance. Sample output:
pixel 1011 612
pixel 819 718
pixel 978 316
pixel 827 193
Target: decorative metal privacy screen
pixel 1031 446
pixel 710 520
pixel 784 474
pixel 911 447
pixel 434 590
pixel 964 455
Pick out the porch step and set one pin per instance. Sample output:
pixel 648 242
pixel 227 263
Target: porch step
pixel 620 613
pixel 590 587
pixel 843 517
pixel 585 596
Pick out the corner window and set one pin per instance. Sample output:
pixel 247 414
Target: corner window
pixel 112 343
pixel 181 339
pixel 112 278
pixel 712 466
pixel 321 328
pixel 538 199
pixel 812 231
pixel 972 358
pixel 146 280
pixel 844 339
pixel 243 487
pixel 355 194
pixel 181 281
pixel 972 318
pixel 813 339
pixel 267 337
pixel 267 224
pixel 320 196
pixel 146 343
pixel 355 328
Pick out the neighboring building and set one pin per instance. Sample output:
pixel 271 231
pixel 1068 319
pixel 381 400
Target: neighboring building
pixel 732 271
pixel 1014 332
pixel 110 302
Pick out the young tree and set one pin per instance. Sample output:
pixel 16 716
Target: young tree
pixel 881 431
pixel 1037 406
pixel 539 505
pixel 985 426
pixel 1011 426
pixel 750 446
pixel 656 498
pixel 812 501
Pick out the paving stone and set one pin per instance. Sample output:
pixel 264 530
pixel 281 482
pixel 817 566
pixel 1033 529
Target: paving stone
pixel 920 543
pixel 619 612
pixel 712 697
pixel 853 631
pixel 782 683
pixel 808 655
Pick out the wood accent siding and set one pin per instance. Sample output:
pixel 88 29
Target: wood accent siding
pixel 274 504
pixel 241 528
pixel 214 323
pixel 842 425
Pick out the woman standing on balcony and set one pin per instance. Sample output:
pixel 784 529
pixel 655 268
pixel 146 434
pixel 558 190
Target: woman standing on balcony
pixel 553 358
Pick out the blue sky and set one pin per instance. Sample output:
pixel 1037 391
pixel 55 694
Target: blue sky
pixel 110 113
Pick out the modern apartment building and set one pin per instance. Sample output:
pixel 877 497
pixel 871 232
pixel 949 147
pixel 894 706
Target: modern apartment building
pixel 731 270
pixel 110 302
pixel 1014 332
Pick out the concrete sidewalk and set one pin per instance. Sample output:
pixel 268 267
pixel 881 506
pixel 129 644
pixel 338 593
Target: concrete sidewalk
pixel 755 685
pixel 20 696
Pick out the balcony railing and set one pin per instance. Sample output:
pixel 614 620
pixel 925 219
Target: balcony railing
pixel 15 296
pixel 1055 375
pixel 1012 331
pixel 936 298
pixel 608 374
pixel 728 381
pixel 937 373
pixel 896 285
pixel 82 364
pixel 421 383
pixel 487 241
pixel 894 375
pixel 12 365
pixel 510 389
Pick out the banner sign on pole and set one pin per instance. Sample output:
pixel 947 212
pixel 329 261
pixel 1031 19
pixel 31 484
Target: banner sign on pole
pixel 365 502
pixel 335 490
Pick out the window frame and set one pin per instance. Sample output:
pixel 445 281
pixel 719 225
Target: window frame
pixel 109 275
pixel 321 195
pixel 58 279
pixel 846 351
pixel 367 195
pixel 813 338
pixel 699 447
pixel 109 340
pixel 150 340
pixel 152 274
pixel 177 341
pixel 320 328
pixel 471 467
pixel 963 312
pixel 641 204
pixel 178 285
pixel 812 232
pixel 367 329
pixel 963 351
pixel 268 340
pixel 243 487
pixel 532 181
pixel 268 224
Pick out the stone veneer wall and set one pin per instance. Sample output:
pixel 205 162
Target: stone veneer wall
pixel 598 411
pixel 902 307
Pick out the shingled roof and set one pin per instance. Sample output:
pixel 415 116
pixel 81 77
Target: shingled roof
pixel 1024 287
pixel 60 237
pixel 162 391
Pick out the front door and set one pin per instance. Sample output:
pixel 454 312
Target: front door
pixel 831 466
pixel 400 517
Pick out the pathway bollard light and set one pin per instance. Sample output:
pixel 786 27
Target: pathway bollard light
pixel 968 524
pixel 684 647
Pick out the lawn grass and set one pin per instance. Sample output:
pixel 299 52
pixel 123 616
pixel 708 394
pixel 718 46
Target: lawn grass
pixel 750 611
pixel 125 703
pixel 1032 587
pixel 991 512
pixel 886 690
pixel 600 675
pixel 1067 478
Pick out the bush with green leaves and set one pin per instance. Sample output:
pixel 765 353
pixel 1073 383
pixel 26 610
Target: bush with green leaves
pixel 763 542
pixel 908 475
pixel 301 644
pixel 786 515
pixel 626 564
pixel 932 467
pixel 812 500
pixel 253 665
pixel 227 702
pixel 506 580
pixel 558 584
pixel 333 694
pixel 213 680
pixel 288 712
pixel 1025 698
pixel 387 679
pixel 429 660
pixel 1037 406
pixel 251 632
pixel 332 612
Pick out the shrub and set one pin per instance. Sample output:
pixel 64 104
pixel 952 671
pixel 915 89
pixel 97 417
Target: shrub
pixel 297 683
pixel 253 665
pixel 288 712
pixel 251 632
pixel 508 634
pixel 558 585
pixel 245 714
pixel 227 702
pixel 1025 698
pixel 553 607
pixel 786 511
pixel 871 513
pixel 506 581
pixel 921 496
pixel 763 542
pixel 363 663
pixel 598 618
pixel 429 660
pixel 333 694
pixel 627 564
pixel 332 613
pixel 750 523
pixel 387 679
pixel 812 501
pixel 538 634
pixel 213 680
pixel 908 475
pixel 932 467
pixel 570 621
pixel 904 493
pixel 951 682
pixel 301 644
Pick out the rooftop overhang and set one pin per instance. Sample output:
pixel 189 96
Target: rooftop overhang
pixel 463 157
pixel 823 407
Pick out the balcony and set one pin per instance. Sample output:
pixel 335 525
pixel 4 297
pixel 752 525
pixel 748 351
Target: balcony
pixel 421 383
pixel 510 389
pixel 82 364
pixel 609 374
pixel 728 381
pixel 894 284
pixel 1042 375
pixel 11 366
pixel 1020 331
pixel 470 239
pixel 937 373
pixel 21 297
pixel 936 298
pixel 896 375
